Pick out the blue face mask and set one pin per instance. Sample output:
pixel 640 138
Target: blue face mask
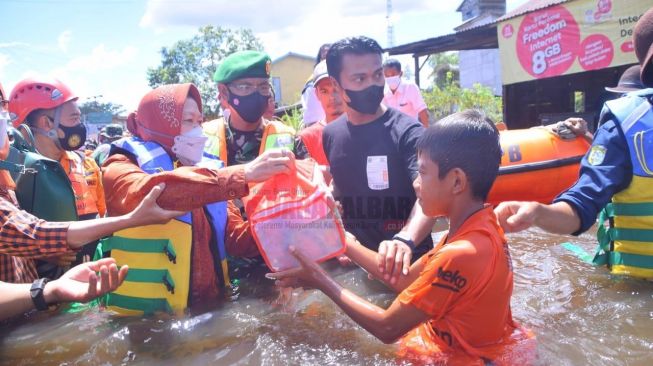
pixel 366 101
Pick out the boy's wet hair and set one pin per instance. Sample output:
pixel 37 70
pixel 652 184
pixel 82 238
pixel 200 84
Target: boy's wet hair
pixel 360 45
pixel 392 63
pixel 467 140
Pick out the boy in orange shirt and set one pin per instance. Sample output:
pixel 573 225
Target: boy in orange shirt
pixel 454 303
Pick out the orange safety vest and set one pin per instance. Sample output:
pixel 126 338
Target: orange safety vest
pixel 275 135
pixel 84 175
pixel 312 138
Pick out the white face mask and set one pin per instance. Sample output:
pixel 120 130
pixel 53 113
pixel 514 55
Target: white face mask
pixel 4 122
pixel 393 81
pixel 189 146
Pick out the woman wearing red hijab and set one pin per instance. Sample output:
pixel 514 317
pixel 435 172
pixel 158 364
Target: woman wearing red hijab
pixel 183 262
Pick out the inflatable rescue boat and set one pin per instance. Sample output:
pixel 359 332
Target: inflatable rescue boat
pixel 536 165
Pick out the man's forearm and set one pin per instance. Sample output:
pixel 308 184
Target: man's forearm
pixel 418 225
pixel 364 257
pixel 15 299
pixel 368 260
pixel 82 232
pixel 559 218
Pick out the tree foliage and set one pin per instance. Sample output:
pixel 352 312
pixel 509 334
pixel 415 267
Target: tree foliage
pixel 95 106
pixel 444 65
pixel 451 98
pixel 195 60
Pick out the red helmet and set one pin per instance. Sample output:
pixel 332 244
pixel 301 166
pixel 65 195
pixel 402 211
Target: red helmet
pixel 30 94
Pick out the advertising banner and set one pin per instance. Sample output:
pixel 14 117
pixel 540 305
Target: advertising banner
pixel 572 37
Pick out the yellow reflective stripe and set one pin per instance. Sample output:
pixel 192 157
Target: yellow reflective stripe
pixel 634 247
pixel 632 271
pixel 634 222
pixel 124 312
pixel 146 290
pixel 639 190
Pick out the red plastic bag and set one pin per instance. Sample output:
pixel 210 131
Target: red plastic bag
pixel 293 210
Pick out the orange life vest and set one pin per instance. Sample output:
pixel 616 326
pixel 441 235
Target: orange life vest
pixel 84 175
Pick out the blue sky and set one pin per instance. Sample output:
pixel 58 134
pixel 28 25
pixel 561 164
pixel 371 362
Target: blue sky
pixel 104 47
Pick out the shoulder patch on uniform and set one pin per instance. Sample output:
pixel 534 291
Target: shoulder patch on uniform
pixel 596 155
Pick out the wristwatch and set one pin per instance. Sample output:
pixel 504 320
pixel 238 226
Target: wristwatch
pixel 409 242
pixel 36 291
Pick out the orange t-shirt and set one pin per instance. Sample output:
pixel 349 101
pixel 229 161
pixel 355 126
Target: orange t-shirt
pixel 465 287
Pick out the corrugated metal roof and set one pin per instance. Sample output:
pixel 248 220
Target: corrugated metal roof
pixel 531 6
pixel 477 36
pixel 477 22
pixel 481 37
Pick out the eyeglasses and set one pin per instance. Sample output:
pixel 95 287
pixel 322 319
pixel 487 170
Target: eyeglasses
pixel 243 89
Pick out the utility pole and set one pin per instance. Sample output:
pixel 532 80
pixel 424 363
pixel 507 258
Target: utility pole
pixel 388 18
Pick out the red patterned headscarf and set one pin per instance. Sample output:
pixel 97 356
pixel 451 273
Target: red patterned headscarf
pixel 159 114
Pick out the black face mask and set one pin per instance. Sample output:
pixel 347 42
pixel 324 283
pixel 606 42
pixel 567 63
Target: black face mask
pixel 74 137
pixel 250 107
pixel 365 101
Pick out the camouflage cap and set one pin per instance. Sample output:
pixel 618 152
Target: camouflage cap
pixel 243 64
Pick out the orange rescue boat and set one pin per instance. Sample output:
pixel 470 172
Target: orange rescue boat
pixel 536 165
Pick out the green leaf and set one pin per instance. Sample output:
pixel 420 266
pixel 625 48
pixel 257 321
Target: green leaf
pixel 195 60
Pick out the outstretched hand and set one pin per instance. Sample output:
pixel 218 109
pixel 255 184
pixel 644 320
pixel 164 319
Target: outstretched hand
pixel 308 274
pixel 81 283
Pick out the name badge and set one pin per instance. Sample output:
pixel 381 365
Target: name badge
pixel 377 172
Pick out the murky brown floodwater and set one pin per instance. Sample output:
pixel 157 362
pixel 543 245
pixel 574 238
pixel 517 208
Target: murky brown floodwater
pixel 580 314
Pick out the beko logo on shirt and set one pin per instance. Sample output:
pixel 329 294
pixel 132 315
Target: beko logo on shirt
pixel 457 282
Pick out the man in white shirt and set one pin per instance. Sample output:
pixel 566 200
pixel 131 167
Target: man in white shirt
pixel 403 94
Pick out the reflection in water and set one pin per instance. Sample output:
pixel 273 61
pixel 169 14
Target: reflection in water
pixel 580 314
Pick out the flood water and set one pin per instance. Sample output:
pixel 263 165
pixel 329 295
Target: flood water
pixel 580 314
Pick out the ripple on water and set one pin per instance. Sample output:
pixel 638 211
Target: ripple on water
pixel 580 314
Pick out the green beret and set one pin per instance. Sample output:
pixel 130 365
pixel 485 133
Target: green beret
pixel 243 64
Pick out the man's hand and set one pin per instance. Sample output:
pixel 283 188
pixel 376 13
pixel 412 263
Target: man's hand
pixel 149 212
pixel 81 283
pixel 570 128
pixel 394 259
pixel 516 216
pixel 309 274
pixel 268 164
pixel 577 125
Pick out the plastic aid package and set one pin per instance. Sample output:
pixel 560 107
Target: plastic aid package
pixel 295 209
